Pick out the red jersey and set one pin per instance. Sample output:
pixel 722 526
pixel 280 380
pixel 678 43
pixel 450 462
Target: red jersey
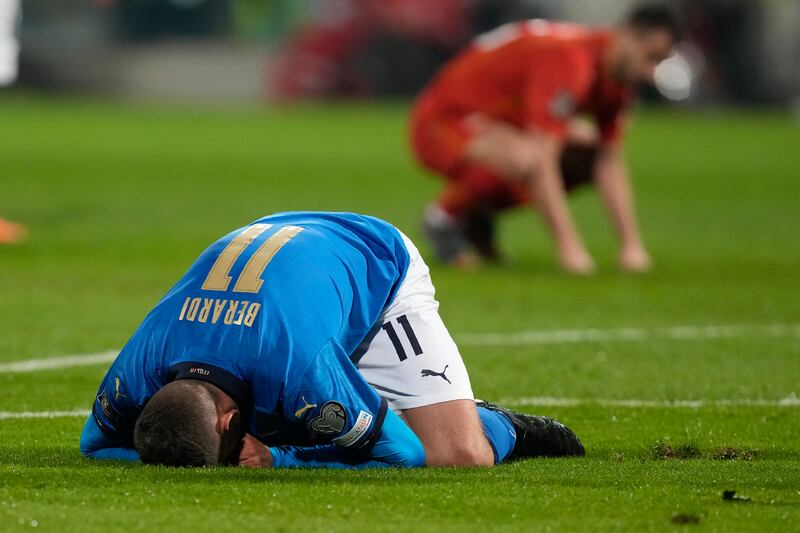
pixel 533 74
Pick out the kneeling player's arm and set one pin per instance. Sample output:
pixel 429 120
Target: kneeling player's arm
pixel 98 445
pixel 396 446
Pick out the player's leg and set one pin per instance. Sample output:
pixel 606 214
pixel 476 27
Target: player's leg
pixel 414 364
pixel 476 190
pixel 535 436
pixel 487 168
pixel 457 433
pixel 438 140
pixel 464 216
pixel 511 152
pixel 403 363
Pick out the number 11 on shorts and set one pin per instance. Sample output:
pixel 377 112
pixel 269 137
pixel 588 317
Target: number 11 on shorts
pixel 409 331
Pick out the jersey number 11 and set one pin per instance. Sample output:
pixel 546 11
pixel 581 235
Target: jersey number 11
pixel 249 280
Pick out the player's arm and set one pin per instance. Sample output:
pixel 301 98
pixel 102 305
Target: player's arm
pixel 97 445
pixel 108 432
pixel 557 80
pixel 396 446
pixel 611 175
pixel 333 402
pixel 532 157
pixel 548 189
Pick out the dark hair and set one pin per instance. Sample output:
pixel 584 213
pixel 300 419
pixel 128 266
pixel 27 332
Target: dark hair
pixel 655 17
pixel 177 427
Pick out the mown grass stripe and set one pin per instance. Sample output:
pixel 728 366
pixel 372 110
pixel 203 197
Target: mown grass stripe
pixel 522 338
pixel 536 401
pixel 10 415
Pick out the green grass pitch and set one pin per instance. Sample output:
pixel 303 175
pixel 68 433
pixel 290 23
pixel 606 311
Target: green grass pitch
pixel 120 199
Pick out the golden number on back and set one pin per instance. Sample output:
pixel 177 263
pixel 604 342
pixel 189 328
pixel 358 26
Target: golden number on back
pixel 249 280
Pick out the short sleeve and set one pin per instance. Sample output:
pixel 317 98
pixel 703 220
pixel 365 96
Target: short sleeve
pixel 115 410
pixel 335 403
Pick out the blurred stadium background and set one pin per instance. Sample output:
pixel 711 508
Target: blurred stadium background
pixel 738 51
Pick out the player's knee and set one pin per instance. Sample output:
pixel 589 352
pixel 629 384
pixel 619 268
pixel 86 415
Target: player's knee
pixel 472 456
pixel 525 159
pixel 411 455
pixel 463 454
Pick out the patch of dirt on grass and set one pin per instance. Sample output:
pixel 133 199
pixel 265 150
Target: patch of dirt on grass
pixel 729 453
pixel 665 450
pixel 682 518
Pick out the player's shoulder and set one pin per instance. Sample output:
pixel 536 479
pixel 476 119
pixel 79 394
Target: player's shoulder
pixel 569 42
pixel 323 224
pixel 539 44
pixel 321 219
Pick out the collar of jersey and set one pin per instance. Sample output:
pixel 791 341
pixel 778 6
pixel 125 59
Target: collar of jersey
pixel 235 387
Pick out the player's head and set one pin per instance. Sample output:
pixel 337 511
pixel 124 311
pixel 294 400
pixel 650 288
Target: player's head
pixel 188 423
pixel 644 40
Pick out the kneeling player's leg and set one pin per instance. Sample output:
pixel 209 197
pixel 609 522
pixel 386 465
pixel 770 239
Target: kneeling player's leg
pixel 464 213
pixel 466 210
pixel 413 362
pixel 455 433
pixel 451 434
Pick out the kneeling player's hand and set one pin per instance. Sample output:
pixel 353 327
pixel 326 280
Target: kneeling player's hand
pixel 254 454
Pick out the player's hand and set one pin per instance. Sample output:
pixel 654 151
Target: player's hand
pixel 635 259
pixel 576 260
pixel 254 454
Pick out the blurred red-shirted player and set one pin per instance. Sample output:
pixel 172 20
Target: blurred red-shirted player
pixel 499 122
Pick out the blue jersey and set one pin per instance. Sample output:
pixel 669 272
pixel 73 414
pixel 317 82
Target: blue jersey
pixel 270 313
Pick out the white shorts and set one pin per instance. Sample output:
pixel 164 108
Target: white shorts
pixel 412 361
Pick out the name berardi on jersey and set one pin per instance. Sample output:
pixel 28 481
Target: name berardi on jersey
pixel 214 310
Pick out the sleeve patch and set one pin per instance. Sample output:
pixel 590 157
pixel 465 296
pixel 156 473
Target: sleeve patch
pixel 105 414
pixel 563 105
pixel 332 419
pixel 358 430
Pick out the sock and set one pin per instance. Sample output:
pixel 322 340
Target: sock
pixel 499 432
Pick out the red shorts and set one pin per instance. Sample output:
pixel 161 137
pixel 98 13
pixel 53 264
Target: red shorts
pixel 439 140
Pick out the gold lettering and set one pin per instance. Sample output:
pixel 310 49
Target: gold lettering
pixel 219 305
pixel 240 316
pixel 205 310
pixel 183 309
pixel 252 312
pixel 203 316
pixel 231 312
pixel 193 307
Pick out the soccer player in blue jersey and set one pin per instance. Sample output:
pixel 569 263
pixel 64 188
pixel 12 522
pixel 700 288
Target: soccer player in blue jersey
pixel 305 339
